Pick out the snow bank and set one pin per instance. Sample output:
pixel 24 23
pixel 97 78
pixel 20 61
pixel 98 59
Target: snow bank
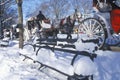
pixel 8 62
pixel 12 66
pixel 108 65
pixel 4 70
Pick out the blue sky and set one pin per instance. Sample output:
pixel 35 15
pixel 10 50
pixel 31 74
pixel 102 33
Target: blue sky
pixel 30 6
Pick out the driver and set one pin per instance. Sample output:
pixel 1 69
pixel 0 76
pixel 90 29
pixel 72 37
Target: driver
pixel 40 17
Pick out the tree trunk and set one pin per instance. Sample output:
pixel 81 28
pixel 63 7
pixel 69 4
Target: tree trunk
pixel 20 23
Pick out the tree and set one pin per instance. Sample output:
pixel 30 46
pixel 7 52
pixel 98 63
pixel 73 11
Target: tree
pixel 20 23
pixel 84 6
pixel 57 9
pixel 7 14
pixel 76 4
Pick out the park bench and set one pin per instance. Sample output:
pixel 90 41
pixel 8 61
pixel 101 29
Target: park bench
pixel 65 69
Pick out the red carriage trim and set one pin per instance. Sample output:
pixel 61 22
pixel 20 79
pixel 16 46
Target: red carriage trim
pixel 115 20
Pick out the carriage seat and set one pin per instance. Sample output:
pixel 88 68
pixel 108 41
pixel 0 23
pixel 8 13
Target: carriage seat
pixel 45 24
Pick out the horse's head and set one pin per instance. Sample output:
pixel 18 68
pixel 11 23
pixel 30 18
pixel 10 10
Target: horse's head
pixel 102 5
pixel 78 15
pixel 75 16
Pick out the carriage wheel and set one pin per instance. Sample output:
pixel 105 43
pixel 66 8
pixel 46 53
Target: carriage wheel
pixel 93 29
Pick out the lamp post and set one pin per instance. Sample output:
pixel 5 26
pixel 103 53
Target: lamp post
pixel 20 22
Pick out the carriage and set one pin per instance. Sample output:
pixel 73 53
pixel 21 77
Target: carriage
pixel 82 28
pixel 86 27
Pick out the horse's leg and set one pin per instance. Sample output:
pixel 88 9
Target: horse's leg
pixel 55 32
pixel 46 35
pixel 69 32
pixel 69 36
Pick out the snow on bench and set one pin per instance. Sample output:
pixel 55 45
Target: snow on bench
pixel 48 58
pixel 4 42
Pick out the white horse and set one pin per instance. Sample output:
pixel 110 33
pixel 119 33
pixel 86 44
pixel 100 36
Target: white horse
pixel 30 29
pixel 26 34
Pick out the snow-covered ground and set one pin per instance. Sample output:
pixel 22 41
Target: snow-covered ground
pixel 12 67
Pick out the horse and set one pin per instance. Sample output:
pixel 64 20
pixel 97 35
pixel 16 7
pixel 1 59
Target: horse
pixel 67 24
pixel 113 9
pixel 48 29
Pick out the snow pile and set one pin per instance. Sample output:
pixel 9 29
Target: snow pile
pixel 46 55
pixel 85 66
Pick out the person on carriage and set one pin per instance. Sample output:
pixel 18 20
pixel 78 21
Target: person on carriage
pixel 113 7
pixel 40 17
